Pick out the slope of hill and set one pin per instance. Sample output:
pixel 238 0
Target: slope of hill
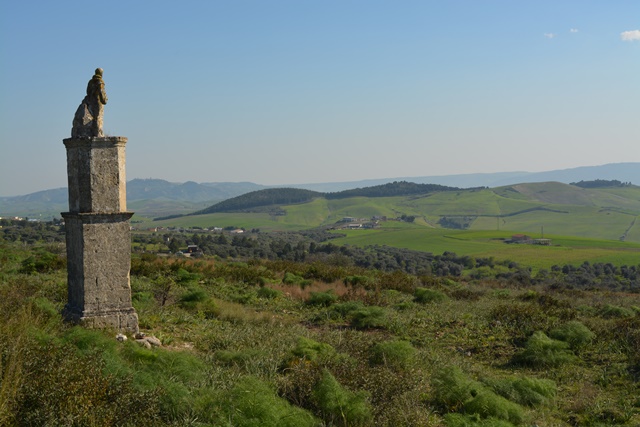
pixel 262 198
pixel 49 203
pixel 280 196
pixel 535 208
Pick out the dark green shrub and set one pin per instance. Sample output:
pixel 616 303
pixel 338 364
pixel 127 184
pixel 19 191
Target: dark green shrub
pixel 192 297
pixel 42 262
pixel 358 281
pixel 396 354
pixel 573 333
pixel 525 391
pixel 339 406
pixel 324 299
pixel 344 309
pixel 613 311
pixel 488 404
pixel 265 292
pixel 312 350
pixel 426 295
pixel 369 318
pixel 252 403
pixel 292 279
pixel 209 309
pixel 183 276
pixel 544 352
pixel 456 392
pixel 453 388
pixel 529 295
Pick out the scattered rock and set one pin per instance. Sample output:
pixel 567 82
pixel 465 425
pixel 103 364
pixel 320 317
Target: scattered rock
pixel 121 337
pixel 147 341
pixel 143 342
pixel 153 341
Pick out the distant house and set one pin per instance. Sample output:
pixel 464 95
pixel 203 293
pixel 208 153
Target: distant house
pixel 191 249
pixel 237 231
pixel 543 242
pixel 348 219
pixel 520 238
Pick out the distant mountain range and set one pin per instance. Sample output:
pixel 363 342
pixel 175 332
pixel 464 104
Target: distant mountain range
pixel 156 197
pixel 625 172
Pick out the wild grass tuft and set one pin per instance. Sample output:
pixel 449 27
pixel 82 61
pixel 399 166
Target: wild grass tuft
pixel 323 299
pixel 311 350
pixel 427 295
pixel 252 403
pixel 396 354
pixel 369 318
pixel 544 352
pixel 526 391
pixel 573 333
pixel 339 406
pixel 455 392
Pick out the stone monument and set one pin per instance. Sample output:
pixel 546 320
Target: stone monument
pixel 97 225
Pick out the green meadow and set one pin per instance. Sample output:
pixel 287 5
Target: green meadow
pixel 484 244
pixel 595 225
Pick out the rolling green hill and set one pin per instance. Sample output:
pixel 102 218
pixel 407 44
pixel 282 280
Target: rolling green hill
pixel 536 208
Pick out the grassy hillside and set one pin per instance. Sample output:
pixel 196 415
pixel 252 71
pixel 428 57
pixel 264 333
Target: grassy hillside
pixel 552 208
pixel 565 249
pixel 284 344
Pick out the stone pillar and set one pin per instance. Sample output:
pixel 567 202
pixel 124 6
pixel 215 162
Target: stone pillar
pixel 98 235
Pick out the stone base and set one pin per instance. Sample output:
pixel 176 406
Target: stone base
pixel 122 321
pixel 96 174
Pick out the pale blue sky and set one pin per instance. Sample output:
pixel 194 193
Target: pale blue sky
pixel 284 92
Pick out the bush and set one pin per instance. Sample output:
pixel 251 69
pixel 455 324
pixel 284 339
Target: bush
pixel 613 311
pixel 209 309
pixel 345 309
pixel 452 388
pixel 42 262
pixel 192 297
pixel 455 392
pixel 396 354
pixel 525 391
pixel 252 403
pixel 339 406
pixel 324 299
pixel 312 350
pixel 293 279
pixel 544 352
pixel 426 295
pixel 265 292
pixel 573 333
pixel 488 404
pixel 369 318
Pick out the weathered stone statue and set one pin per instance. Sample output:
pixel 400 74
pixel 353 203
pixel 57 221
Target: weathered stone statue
pixel 97 224
pixel 89 116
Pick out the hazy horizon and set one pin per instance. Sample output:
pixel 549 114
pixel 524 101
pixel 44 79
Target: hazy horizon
pixel 443 180
pixel 286 92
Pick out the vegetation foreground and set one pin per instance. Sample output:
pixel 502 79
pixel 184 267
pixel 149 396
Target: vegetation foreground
pixel 321 341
